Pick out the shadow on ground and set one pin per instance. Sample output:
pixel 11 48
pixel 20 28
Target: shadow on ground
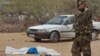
pixel 48 41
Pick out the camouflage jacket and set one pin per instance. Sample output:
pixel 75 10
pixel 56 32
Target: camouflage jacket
pixel 83 22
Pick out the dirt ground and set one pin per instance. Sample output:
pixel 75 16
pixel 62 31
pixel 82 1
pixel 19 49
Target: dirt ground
pixel 19 40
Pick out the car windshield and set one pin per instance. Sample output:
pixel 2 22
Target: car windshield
pixel 57 20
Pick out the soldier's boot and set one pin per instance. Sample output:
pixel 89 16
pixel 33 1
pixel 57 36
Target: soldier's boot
pixel 87 49
pixel 87 53
pixel 76 54
pixel 76 51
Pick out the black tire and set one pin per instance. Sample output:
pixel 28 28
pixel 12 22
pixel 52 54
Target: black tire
pixel 54 37
pixel 37 39
pixel 94 35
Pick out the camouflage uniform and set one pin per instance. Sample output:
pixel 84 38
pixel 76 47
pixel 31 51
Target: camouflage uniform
pixel 83 36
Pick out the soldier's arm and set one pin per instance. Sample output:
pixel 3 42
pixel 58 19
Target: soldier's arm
pixel 88 18
pixel 74 25
pixel 75 22
pixel 91 18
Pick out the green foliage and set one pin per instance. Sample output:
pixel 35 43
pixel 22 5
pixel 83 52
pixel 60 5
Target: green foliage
pixel 40 9
pixel 43 8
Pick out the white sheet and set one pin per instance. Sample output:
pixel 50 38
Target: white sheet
pixel 10 50
pixel 47 51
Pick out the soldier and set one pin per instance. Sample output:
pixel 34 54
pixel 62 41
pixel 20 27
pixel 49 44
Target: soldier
pixel 83 30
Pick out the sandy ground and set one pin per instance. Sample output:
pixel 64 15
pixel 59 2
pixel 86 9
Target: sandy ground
pixel 19 40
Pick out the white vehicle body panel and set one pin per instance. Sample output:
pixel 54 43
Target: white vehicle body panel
pixel 66 31
pixel 96 25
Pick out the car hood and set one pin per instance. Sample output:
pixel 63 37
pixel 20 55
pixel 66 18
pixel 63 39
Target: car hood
pixel 45 26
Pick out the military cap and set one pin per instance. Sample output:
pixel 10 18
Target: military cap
pixel 79 2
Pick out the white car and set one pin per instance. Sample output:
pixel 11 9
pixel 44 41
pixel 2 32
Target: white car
pixel 60 27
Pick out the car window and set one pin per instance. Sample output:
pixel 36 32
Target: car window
pixel 57 20
pixel 71 20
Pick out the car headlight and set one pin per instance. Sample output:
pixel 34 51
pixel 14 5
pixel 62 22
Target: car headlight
pixel 42 30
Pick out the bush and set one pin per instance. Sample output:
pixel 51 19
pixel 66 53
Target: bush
pixel 39 9
pixel 15 23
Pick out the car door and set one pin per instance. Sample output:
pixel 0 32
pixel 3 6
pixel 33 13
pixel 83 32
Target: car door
pixel 68 29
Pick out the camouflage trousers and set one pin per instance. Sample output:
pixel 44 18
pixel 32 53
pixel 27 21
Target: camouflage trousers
pixel 81 47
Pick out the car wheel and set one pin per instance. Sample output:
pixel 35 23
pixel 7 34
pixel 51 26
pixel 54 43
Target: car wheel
pixel 94 35
pixel 54 37
pixel 37 39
